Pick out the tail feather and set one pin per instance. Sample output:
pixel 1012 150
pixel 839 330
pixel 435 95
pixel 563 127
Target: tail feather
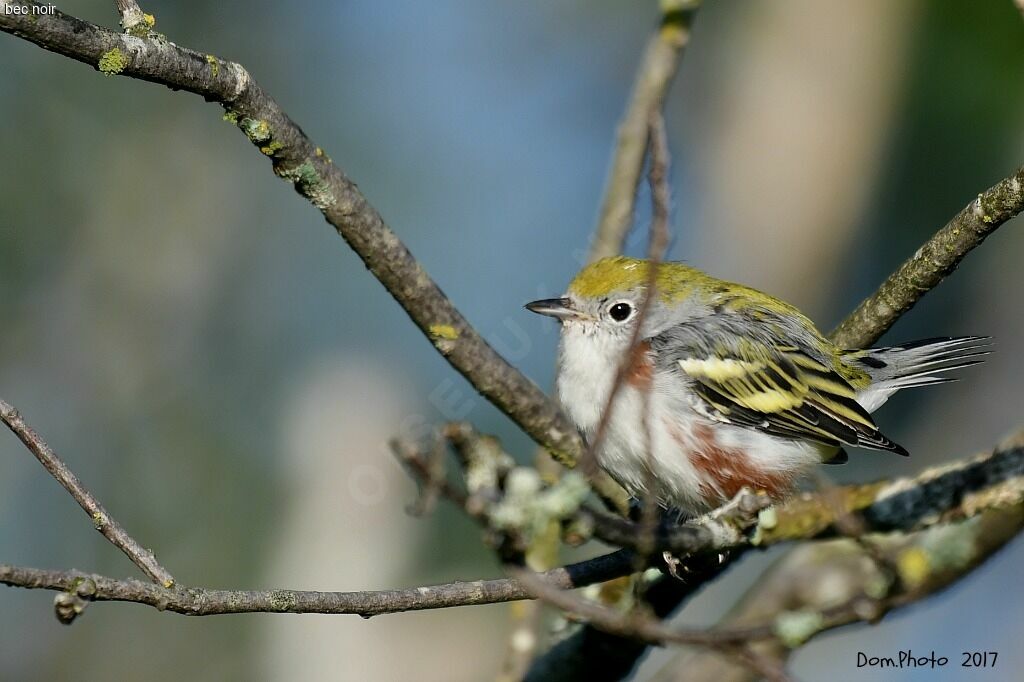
pixel 926 381
pixel 930 368
pixel 915 364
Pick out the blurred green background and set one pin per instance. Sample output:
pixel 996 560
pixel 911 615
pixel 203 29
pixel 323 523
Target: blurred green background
pixel 221 370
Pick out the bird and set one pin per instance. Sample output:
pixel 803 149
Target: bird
pixel 725 388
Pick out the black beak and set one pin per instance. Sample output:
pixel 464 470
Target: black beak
pixel 559 308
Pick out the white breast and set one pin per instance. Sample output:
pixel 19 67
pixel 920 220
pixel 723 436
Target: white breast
pixel 666 442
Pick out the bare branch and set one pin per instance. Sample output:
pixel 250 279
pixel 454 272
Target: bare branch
pixel 297 160
pixel 965 490
pixel 661 192
pixel 101 518
pixel 933 262
pixel 657 69
pixel 193 601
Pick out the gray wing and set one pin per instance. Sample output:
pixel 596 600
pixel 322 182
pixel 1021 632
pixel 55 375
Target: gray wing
pixel 765 373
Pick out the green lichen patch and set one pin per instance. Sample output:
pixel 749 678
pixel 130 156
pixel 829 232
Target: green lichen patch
pixel 113 61
pixel 231 117
pixel 796 627
pixel 256 130
pixel 805 515
pixel 528 507
pixel 214 64
pixel 272 148
pixel 309 183
pixel 144 28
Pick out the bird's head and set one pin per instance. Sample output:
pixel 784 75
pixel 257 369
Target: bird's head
pixel 605 297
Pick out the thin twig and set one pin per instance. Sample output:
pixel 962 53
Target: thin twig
pixel 193 601
pixel 655 76
pixel 635 354
pixel 661 197
pixel 661 192
pixel 101 518
pixel 657 69
pixel 933 262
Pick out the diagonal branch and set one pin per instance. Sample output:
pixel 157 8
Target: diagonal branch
pixel 101 518
pixel 315 176
pixel 932 263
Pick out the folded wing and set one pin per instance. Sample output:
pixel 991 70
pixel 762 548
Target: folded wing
pixel 783 391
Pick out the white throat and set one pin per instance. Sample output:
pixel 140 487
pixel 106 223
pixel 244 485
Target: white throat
pixel 587 364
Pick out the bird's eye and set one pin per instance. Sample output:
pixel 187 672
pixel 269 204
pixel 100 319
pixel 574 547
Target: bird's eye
pixel 620 312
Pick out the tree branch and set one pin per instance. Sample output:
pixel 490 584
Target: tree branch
pixel 991 481
pixel 820 587
pixel 933 262
pixel 297 160
pixel 949 491
pixel 195 601
pixel 657 69
pixel 101 518
pixel 925 566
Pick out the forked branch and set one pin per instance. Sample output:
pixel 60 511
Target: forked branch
pixel 101 518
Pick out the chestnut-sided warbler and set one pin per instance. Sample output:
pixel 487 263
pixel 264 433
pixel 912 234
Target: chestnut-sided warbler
pixel 741 388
